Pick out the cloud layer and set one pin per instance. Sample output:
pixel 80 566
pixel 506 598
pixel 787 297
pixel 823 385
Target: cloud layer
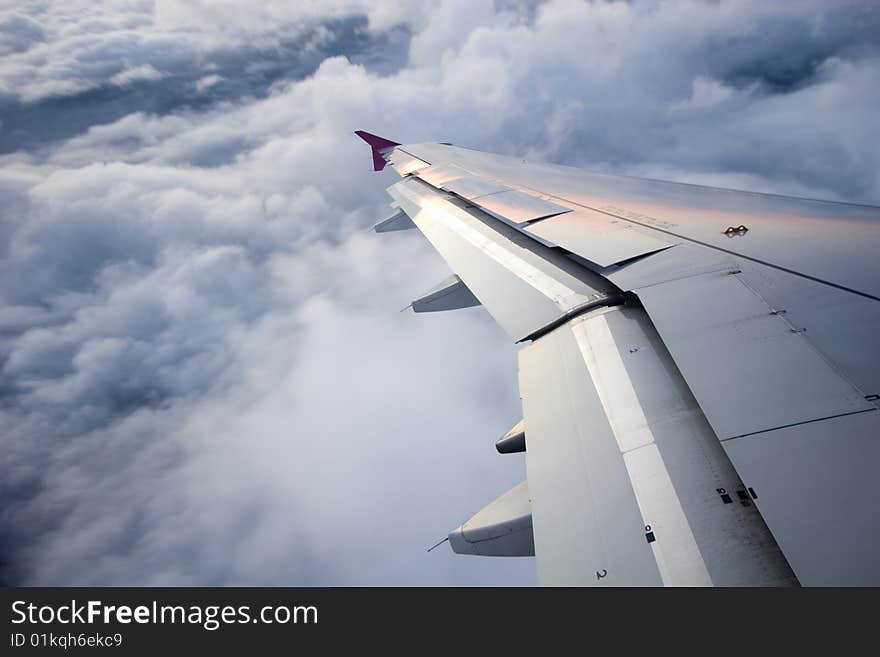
pixel 204 378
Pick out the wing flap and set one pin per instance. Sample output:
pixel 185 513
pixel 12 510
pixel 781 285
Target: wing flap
pixel 587 525
pixel 437 175
pixel 518 207
pixel 471 187
pixel 597 237
pixel 816 488
pixel 750 370
pixel 628 481
pixel 522 284
pixel 405 163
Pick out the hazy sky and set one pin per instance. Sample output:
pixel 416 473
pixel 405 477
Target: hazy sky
pixel 204 376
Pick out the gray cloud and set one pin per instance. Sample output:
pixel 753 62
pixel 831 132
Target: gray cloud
pixel 98 73
pixel 204 378
pixel 18 33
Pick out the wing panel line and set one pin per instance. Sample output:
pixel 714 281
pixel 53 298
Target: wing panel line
pixel 709 246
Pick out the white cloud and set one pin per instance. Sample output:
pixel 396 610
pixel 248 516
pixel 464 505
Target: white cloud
pixel 208 81
pixel 706 92
pixel 64 48
pixel 129 75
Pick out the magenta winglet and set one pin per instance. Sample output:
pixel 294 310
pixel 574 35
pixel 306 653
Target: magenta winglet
pixel 380 146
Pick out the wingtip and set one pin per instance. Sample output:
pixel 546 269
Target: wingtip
pixel 376 140
pixel 379 146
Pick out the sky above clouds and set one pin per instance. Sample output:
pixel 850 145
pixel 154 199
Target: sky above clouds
pixel 204 376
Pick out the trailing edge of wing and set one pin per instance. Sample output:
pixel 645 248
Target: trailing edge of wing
pixel 524 285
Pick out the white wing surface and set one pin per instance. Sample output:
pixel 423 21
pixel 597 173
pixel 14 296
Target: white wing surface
pixel 699 375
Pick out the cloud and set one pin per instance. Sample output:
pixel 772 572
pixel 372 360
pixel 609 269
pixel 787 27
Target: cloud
pixel 138 73
pixel 94 63
pixel 706 92
pixel 208 81
pixel 204 376
pixel 18 33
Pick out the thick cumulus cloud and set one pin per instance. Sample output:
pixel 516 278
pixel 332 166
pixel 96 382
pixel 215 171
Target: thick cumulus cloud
pixel 75 64
pixel 204 378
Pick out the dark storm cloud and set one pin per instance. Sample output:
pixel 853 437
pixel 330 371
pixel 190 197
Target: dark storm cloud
pixel 204 378
pixel 784 50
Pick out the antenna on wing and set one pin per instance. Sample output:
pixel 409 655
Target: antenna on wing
pixel 438 544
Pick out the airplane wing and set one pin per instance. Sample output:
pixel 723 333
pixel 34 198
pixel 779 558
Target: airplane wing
pixel 699 371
